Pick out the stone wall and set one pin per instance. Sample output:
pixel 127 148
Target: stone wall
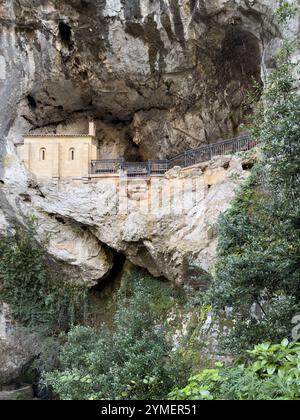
pixel 58 156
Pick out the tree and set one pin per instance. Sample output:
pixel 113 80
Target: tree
pixel 132 359
pixel 259 246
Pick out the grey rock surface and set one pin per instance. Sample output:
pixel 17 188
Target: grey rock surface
pixel 158 77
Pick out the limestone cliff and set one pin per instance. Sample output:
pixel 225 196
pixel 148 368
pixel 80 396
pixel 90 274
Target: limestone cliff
pixel 158 77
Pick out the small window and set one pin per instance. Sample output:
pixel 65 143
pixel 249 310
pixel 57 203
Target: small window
pixel 72 154
pixel 43 154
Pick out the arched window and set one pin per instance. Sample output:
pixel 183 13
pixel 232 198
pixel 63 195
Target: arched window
pixel 43 153
pixel 72 154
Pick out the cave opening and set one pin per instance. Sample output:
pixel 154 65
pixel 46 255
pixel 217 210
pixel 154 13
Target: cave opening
pixel 133 153
pixel 240 57
pixel 113 278
pixel 230 58
pixel 65 33
pixel 31 102
pixel 102 295
pixel 247 166
pixel 238 73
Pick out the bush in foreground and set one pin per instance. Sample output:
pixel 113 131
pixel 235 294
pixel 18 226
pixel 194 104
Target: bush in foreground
pixel 272 374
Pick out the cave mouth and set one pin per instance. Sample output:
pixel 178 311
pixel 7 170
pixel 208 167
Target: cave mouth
pixel 31 102
pixel 102 296
pixel 229 62
pixel 238 62
pixel 240 57
pixel 65 33
pixel 113 278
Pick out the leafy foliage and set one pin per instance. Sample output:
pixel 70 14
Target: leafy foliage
pixel 36 294
pixel 272 374
pixel 131 360
pixel 285 12
pixel 259 247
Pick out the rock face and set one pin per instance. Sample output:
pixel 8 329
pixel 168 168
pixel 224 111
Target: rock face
pixel 17 349
pixel 166 75
pixel 158 77
pixel 24 393
pixel 165 224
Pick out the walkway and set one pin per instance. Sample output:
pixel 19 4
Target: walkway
pixel 184 160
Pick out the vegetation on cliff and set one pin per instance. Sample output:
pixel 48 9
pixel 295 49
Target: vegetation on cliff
pixel 257 273
pixel 258 270
pixel 134 357
pixel 139 354
pixel 38 295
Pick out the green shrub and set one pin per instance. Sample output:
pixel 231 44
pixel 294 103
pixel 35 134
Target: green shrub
pixel 133 359
pixel 36 293
pixel 273 374
pixel 286 12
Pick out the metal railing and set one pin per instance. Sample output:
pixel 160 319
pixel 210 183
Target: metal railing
pixel 158 167
pixel 184 160
pixel 135 170
pixel 106 166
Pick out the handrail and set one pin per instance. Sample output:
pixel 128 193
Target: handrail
pixel 160 167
